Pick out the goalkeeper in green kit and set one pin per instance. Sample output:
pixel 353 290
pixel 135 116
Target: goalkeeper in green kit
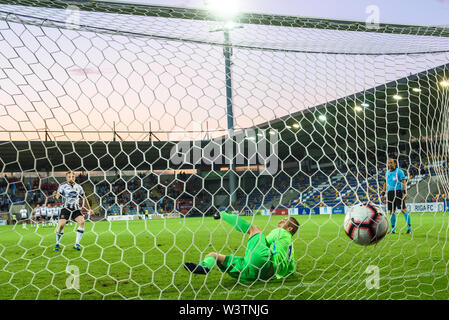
pixel 265 257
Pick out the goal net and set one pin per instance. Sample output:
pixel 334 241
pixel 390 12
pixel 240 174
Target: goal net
pixel 168 116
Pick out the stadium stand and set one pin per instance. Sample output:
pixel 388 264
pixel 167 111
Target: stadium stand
pixel 331 187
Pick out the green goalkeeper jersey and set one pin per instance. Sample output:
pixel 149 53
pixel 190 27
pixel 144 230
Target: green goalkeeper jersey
pixel 282 253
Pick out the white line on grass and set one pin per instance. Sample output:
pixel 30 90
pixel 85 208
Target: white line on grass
pixel 333 283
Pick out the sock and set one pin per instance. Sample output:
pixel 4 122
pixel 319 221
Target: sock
pixel 59 236
pixel 236 221
pixel 79 235
pixel 407 220
pixel 393 222
pixel 208 262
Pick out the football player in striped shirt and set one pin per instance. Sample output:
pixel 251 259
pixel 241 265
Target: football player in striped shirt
pixel 37 214
pixel 23 216
pixel 52 214
pixel 44 213
pixel 56 211
pixel 71 194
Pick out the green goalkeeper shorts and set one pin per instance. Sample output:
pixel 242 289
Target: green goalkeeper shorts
pixel 255 265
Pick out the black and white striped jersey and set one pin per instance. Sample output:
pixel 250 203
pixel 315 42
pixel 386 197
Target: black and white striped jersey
pixel 24 213
pixel 71 195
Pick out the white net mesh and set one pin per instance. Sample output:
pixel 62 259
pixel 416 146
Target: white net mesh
pixel 137 101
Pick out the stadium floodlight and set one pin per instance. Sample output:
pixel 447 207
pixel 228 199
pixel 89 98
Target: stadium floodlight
pixel 225 10
pixel 296 125
pixel 322 117
pixel 358 108
pixel 416 90
pixel 365 105
pixel 397 97
pixel 444 83
pixel 230 25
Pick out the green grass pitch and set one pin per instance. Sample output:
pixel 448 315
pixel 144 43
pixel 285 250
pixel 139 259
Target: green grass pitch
pixel 142 259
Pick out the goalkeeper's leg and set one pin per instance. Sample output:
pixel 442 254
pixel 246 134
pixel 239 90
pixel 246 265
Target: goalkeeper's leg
pixel 213 258
pixel 208 263
pixel 239 223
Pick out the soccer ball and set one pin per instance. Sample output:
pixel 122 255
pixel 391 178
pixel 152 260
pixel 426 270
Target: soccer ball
pixel 365 224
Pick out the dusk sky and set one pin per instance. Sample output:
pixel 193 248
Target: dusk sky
pixel 86 80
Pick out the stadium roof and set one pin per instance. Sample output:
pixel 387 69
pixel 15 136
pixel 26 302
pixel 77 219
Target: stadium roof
pixel 384 122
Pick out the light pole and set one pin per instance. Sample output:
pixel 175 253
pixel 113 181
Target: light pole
pixel 227 10
pixel 227 52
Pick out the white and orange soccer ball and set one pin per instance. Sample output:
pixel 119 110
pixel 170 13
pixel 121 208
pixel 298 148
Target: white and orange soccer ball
pixel 366 224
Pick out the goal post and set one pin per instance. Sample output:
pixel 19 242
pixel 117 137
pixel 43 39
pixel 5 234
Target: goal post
pixel 169 115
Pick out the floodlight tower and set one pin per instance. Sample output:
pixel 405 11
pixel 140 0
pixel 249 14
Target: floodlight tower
pixel 227 11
